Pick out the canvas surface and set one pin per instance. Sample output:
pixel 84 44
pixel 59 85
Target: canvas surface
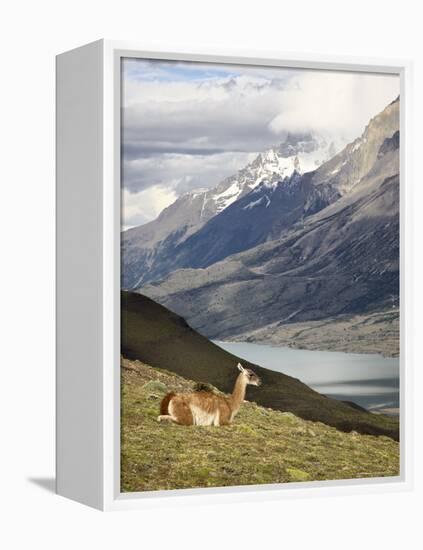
pixel 260 275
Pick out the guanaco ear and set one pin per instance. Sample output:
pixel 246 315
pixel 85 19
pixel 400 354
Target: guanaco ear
pixel 240 367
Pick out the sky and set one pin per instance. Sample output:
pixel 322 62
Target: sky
pixel 189 125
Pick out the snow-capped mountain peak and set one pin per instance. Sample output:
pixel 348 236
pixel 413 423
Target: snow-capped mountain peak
pixel 297 153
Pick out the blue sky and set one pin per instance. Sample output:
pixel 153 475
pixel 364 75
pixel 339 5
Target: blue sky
pixel 162 71
pixel 189 125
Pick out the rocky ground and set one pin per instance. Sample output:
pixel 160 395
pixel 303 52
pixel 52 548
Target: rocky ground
pixel 261 446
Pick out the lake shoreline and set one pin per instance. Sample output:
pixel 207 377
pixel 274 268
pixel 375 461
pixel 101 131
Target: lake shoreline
pixel 370 381
pixel 299 348
pixel 375 333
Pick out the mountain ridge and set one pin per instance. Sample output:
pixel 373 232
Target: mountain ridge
pixel 149 245
pixel 343 259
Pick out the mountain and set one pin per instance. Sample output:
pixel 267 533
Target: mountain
pixel 261 215
pixel 275 196
pixel 148 248
pixel 341 260
pixel 346 169
pixel 158 337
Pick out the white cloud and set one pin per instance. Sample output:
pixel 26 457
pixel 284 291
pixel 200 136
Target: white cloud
pixel 230 114
pixel 336 103
pixel 182 172
pixel 142 207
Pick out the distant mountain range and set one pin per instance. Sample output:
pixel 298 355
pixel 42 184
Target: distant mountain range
pixel 288 239
pixel 148 249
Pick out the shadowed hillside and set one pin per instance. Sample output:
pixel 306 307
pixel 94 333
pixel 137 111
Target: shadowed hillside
pixel 162 339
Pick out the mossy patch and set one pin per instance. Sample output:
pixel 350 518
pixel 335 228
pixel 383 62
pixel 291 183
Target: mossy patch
pixel 154 387
pixel 297 475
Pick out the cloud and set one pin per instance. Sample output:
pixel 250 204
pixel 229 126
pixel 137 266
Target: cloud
pixel 190 125
pixel 333 102
pixel 182 172
pixel 144 206
pixel 230 114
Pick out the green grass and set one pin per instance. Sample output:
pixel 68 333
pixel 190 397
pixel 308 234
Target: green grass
pixel 261 446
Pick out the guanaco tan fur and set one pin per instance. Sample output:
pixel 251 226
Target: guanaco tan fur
pixel 165 402
pixel 203 408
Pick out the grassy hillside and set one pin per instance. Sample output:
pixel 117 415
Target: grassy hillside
pixel 156 336
pixel 262 446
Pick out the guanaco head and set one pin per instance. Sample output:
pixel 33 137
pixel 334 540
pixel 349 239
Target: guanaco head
pixel 251 377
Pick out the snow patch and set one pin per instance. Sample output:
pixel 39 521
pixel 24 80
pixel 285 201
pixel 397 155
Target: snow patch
pixel 356 145
pixel 258 202
pixel 227 197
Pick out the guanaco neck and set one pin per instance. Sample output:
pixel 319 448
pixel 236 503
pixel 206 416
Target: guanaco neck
pixel 238 394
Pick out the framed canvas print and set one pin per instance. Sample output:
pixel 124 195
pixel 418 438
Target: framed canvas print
pixel 231 276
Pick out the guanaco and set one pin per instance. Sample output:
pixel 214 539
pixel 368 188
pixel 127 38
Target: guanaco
pixel 204 408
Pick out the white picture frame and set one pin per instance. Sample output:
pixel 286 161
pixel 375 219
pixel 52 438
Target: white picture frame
pixel 88 278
